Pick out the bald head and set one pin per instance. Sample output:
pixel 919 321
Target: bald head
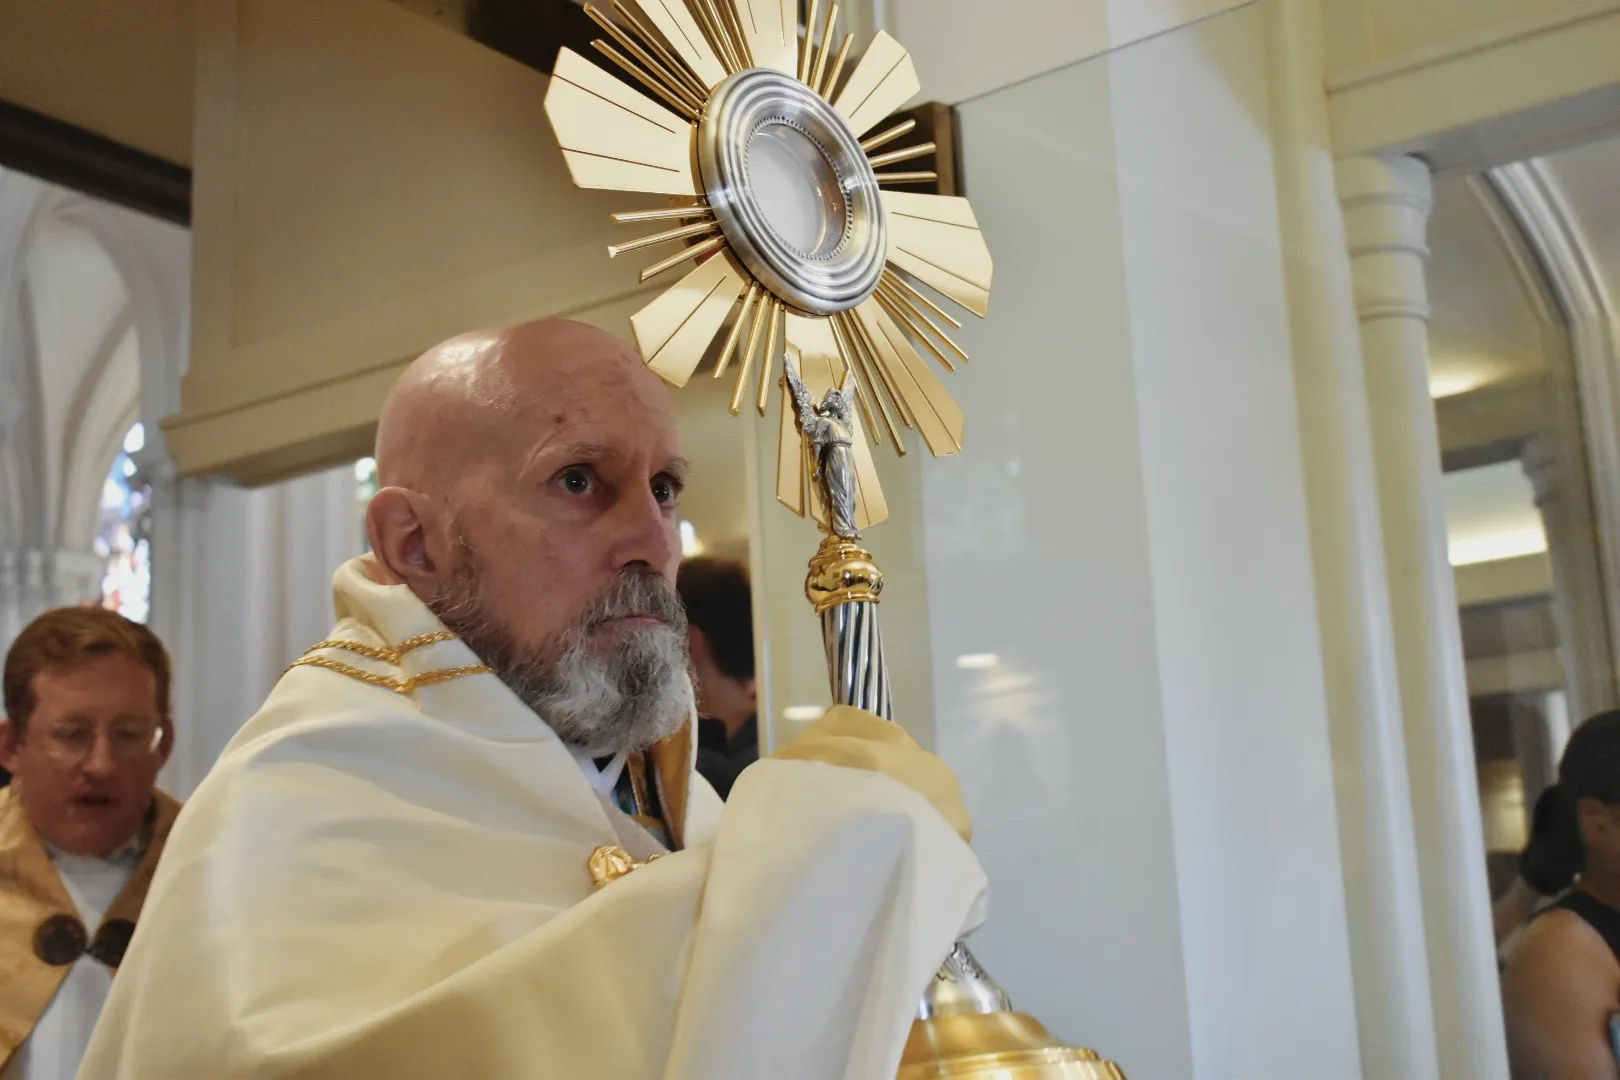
pixel 529 487
pixel 467 396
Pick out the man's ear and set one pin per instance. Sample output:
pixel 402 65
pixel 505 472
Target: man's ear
pixel 166 743
pixel 397 525
pixel 8 744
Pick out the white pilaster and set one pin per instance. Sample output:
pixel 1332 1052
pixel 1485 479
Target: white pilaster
pixel 241 586
pixel 1384 900
pixel 1386 203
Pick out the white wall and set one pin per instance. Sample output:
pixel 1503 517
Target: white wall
pixel 1015 40
pixel 1149 765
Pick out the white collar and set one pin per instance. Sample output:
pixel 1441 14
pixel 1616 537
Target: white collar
pixel 602 780
pixel 125 856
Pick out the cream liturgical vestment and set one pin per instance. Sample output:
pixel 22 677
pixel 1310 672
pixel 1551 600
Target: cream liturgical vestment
pixel 65 921
pixel 385 876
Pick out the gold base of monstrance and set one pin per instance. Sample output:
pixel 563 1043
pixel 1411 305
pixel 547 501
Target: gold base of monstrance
pixel 762 140
pixel 996 1046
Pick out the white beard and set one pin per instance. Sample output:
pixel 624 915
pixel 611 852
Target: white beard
pixel 599 699
pixel 625 699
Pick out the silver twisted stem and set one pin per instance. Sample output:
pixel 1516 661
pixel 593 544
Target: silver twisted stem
pixel 854 643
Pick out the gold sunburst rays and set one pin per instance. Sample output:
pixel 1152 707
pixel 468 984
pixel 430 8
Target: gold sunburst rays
pixel 615 136
pixel 936 239
pixel 881 83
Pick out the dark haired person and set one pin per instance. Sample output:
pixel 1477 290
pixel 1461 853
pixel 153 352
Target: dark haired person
pixel 81 826
pixel 1561 986
pixel 720 636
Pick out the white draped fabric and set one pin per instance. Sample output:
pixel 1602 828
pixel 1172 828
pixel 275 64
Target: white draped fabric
pixel 372 884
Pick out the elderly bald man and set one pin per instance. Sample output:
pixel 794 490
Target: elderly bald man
pixel 463 838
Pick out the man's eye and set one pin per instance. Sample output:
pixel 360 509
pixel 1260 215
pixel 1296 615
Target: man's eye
pixel 576 479
pixel 665 489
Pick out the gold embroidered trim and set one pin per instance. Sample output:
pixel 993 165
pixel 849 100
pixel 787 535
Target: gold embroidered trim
pixel 407 686
pixel 387 655
pixel 610 862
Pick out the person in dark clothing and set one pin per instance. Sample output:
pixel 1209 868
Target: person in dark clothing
pixel 720 634
pixel 1561 986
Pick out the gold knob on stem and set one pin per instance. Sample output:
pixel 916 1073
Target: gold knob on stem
pixel 842 572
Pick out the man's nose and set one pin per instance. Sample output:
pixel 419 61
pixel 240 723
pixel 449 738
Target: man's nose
pixel 644 533
pixel 100 763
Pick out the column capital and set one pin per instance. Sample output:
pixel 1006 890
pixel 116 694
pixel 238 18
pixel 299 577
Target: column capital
pixel 153 464
pixel 1387 202
pixel 1400 180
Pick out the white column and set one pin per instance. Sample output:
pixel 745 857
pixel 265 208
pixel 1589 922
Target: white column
pixel 1578 605
pixel 241 586
pixel 10 623
pixel 1387 202
pixel 1383 896
pixel 180 562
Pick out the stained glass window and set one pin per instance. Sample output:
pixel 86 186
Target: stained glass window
pixel 122 537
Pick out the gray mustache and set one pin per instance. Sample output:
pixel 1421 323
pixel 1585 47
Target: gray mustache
pixel 639 593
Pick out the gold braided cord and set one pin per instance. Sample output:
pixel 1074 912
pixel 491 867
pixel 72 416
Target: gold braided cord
pixel 388 655
pixel 407 686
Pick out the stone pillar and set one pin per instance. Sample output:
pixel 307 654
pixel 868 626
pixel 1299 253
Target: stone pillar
pixel 1386 203
pixel 1578 606
pixel 180 585
pixel 1384 900
pixel 9 624
pixel 241 585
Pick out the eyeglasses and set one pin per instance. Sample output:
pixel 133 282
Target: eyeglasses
pixel 71 746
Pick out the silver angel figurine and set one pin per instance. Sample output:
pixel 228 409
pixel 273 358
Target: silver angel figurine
pixel 830 427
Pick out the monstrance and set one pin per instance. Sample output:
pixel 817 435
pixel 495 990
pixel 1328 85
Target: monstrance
pixel 803 273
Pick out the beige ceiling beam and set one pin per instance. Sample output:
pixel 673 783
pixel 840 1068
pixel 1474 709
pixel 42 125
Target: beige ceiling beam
pixel 1498 93
pixel 1491 424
